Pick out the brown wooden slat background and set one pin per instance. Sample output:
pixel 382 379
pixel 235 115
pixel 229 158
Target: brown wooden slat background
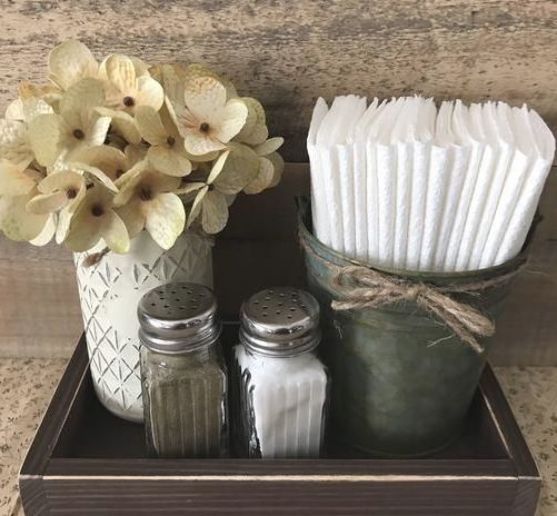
pixel 288 53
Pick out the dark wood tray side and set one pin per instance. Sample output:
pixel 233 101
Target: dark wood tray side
pixel 67 471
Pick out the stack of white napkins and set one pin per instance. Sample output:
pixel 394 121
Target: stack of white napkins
pixel 403 185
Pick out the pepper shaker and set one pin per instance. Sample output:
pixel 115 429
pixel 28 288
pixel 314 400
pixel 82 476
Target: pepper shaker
pixel 282 386
pixel 183 376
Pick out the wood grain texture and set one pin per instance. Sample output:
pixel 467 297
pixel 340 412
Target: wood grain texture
pixel 257 249
pixel 66 474
pixel 288 53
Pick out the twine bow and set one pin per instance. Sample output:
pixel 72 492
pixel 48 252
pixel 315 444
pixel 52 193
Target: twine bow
pixel 361 287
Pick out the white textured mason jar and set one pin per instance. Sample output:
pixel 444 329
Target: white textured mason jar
pixel 109 293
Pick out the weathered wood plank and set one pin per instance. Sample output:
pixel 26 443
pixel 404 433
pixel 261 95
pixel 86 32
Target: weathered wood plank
pixel 257 249
pixel 288 53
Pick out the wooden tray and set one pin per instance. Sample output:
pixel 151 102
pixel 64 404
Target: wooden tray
pixel 84 461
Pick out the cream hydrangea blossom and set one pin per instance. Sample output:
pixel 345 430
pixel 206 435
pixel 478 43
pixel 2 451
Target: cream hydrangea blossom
pixel 15 145
pixel 146 200
pixel 17 187
pixel 208 120
pixel 105 151
pixel 231 172
pixel 129 85
pixel 76 125
pixel 60 193
pixel 166 152
pixel 96 219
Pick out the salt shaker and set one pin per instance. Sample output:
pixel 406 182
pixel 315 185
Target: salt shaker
pixel 183 376
pixel 282 386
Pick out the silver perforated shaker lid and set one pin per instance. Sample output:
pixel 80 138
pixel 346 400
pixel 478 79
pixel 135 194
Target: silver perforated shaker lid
pixel 282 321
pixel 178 317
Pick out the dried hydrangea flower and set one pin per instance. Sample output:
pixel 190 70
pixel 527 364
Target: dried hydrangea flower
pixel 209 121
pixel 77 125
pixel 59 192
pixel 95 219
pixel 14 138
pixel 128 87
pixel 146 200
pixel 271 166
pixel 17 187
pixel 103 162
pixel 70 62
pixel 167 152
pixel 231 172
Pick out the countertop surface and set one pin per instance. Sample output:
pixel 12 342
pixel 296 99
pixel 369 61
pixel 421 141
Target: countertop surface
pixel 26 386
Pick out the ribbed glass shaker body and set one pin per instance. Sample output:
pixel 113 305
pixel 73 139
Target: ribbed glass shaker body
pixel 183 375
pixel 281 385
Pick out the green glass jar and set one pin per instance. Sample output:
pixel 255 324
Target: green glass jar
pixel 184 380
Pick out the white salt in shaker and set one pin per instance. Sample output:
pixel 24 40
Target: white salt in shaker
pixel 281 385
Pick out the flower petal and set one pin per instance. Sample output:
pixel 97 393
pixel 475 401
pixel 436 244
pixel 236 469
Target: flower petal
pixel 64 221
pixel 269 146
pixel 150 125
pixel 133 217
pixel 257 136
pixel 84 95
pixel 171 77
pixel 13 181
pixel 45 236
pixel 97 130
pixel 233 118
pixel 217 167
pixel 205 97
pixel 120 71
pixel 69 62
pixel 14 111
pixel 114 232
pixel 14 142
pixel 214 212
pixel 278 163
pixel 47 203
pixel 198 143
pixel 135 153
pixel 197 204
pixel 18 223
pixel 122 123
pixel 256 116
pixel 197 70
pixel 44 134
pixel 111 161
pixel 34 107
pixel 169 161
pixel 83 233
pixel 263 179
pixel 60 181
pixel 190 187
pixel 149 93
pixel 239 170
pixel 165 219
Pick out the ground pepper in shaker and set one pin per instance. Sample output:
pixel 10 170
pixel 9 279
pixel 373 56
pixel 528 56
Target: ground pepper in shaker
pixel 183 376
pixel 282 386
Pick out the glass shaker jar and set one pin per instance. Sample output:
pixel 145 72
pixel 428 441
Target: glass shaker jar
pixel 183 376
pixel 281 402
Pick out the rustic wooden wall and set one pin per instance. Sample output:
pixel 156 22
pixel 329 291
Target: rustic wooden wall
pixel 288 53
